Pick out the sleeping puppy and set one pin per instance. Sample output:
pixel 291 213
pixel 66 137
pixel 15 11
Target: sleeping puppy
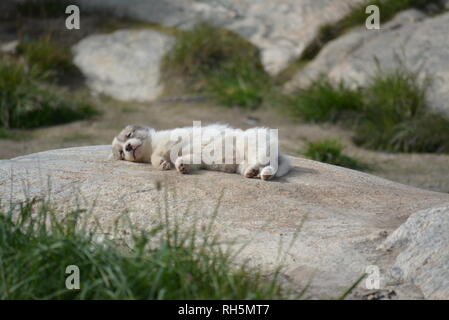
pixel 252 153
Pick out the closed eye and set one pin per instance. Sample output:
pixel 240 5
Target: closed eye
pixel 129 135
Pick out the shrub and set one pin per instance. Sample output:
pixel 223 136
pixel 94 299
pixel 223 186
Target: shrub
pixel 238 86
pixel 324 101
pixel 219 62
pixel 27 102
pixel 427 132
pixel 162 262
pixel 392 99
pixel 390 113
pixel 49 57
pixel 43 9
pixel 331 151
pixel 396 115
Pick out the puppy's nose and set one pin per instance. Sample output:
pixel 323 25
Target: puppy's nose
pixel 128 147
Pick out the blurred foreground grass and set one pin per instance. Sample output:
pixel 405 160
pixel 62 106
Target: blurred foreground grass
pixel 165 261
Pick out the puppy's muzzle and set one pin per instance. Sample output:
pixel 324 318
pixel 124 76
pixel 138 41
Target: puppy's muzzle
pixel 129 147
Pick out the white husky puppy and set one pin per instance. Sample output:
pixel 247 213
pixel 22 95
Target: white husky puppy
pixel 252 153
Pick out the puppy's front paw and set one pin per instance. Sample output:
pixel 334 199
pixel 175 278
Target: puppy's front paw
pixel 165 165
pixel 182 167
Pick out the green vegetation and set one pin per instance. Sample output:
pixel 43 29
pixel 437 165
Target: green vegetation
pixel 113 24
pixel 241 86
pixel 331 151
pixel 388 9
pixel 221 63
pixel 29 93
pixel 26 101
pixel 324 101
pixel 49 57
pixel 43 9
pixel 13 134
pixel 358 16
pixel 162 262
pixel 396 116
pixel 390 113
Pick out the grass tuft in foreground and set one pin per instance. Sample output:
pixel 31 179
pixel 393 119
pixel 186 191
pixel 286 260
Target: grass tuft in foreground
pixel 163 262
pixel 220 63
pixel 331 151
pixel 27 101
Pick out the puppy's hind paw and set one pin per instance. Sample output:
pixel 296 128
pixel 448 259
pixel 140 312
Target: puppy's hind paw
pixel 165 165
pixel 267 173
pixel 182 167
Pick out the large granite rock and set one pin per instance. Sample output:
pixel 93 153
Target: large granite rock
pixel 423 243
pixel 410 38
pixel 125 64
pixel 280 28
pixel 347 213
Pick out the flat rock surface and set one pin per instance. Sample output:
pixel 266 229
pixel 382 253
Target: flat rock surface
pixel 125 64
pixel 346 214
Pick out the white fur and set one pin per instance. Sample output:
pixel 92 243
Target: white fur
pixel 161 150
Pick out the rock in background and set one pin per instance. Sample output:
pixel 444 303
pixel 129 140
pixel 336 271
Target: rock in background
pixel 125 64
pixel 412 38
pixel 280 28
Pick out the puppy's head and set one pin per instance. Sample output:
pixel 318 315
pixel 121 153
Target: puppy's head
pixel 132 144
